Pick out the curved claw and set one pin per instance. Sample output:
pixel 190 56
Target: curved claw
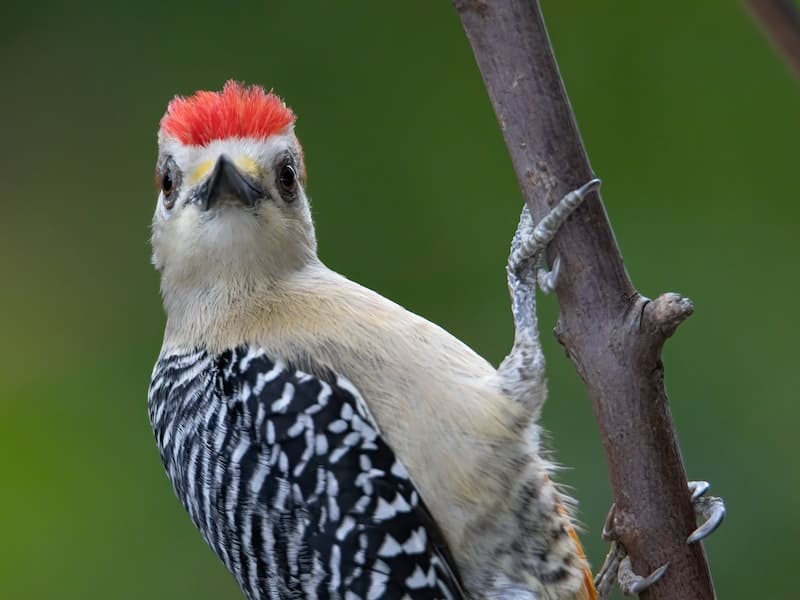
pixel 549 279
pixel 633 584
pixel 608 525
pixel 708 508
pixel 588 187
pixel 608 574
pixel 698 488
pixel 714 511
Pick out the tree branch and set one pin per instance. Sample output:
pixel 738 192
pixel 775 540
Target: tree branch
pixel 612 333
pixel 780 21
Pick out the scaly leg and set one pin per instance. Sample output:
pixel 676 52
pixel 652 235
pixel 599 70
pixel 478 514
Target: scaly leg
pixel 710 512
pixel 522 372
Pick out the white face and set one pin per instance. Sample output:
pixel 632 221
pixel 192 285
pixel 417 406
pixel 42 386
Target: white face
pixel 233 210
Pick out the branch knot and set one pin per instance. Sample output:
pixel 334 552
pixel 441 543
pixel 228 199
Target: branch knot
pixel 668 311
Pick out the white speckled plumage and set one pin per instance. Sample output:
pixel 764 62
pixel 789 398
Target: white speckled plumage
pixel 288 522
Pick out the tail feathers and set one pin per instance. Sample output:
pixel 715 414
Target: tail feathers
pixel 589 592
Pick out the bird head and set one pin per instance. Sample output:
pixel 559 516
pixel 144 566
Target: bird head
pixel 231 201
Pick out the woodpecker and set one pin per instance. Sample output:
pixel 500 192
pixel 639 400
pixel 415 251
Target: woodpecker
pixel 327 442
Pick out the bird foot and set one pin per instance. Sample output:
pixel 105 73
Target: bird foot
pixel 526 265
pixel 710 512
pixel 531 239
pixel 522 371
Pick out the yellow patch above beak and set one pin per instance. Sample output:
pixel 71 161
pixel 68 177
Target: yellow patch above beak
pixel 201 171
pixel 245 164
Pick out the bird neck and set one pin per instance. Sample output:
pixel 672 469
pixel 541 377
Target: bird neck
pixel 222 311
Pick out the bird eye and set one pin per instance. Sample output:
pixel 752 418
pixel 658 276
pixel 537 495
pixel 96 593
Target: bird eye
pixel 287 178
pixel 169 180
pixel 166 184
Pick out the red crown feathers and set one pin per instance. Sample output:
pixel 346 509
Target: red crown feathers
pixel 237 111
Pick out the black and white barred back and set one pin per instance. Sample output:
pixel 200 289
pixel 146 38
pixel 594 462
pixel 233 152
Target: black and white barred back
pixel 290 482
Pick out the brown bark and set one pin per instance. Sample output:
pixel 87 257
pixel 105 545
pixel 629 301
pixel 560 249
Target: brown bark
pixel 613 334
pixel 780 21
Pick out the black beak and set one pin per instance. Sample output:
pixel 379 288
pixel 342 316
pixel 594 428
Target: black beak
pixel 226 181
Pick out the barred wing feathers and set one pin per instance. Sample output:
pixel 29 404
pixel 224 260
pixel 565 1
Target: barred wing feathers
pixel 290 482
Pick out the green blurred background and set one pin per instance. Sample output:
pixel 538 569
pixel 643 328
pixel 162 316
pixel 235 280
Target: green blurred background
pixel 689 118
